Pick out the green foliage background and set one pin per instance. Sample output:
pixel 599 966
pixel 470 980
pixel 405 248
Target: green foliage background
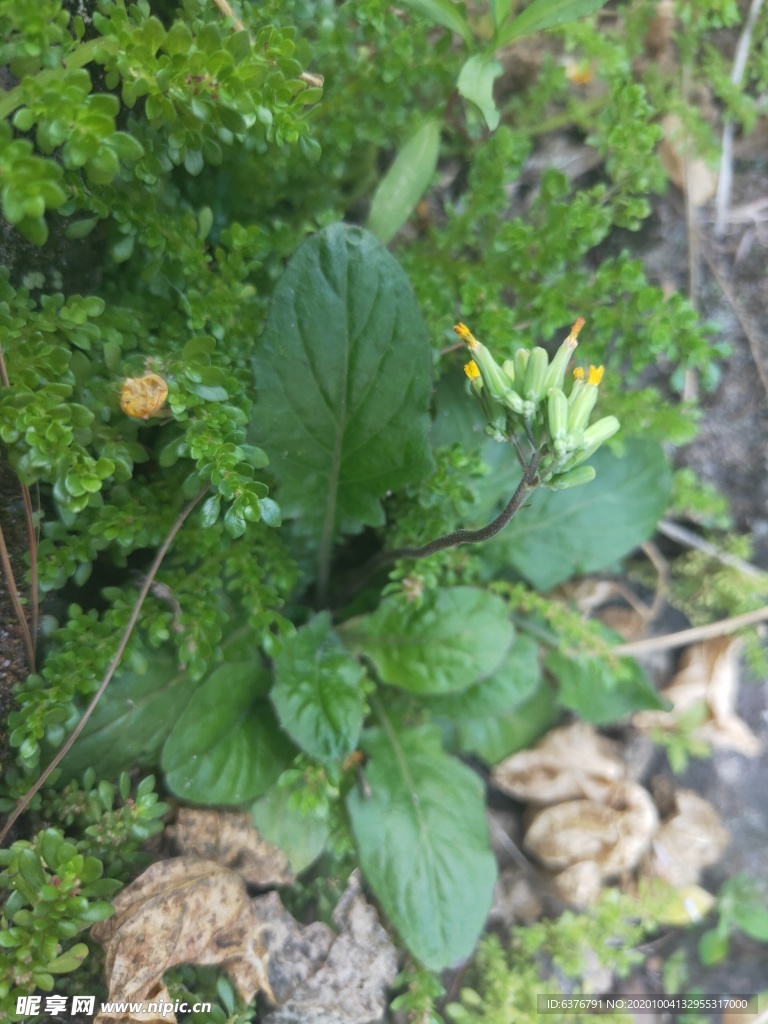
pixel 159 169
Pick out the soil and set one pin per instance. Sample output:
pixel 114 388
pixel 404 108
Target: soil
pixel 14 666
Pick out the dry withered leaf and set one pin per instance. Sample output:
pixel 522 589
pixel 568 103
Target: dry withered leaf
pixel 573 761
pixel 708 675
pixel 614 834
pixel 143 397
pixel 182 911
pixel 689 172
pixel 351 986
pixel 579 884
pixel 229 838
pixel 692 838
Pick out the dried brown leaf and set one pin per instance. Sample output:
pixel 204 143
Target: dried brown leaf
pixel 182 911
pixel 689 172
pixel 230 838
pixel 708 675
pixel 569 762
pixel 614 834
pixel 692 838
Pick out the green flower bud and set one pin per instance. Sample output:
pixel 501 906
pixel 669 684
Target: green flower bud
pixel 557 414
pixel 508 366
pixel 536 374
pixel 584 402
pixel 593 437
pixel 494 412
pixel 573 478
pixel 559 364
pixel 514 402
pixel 494 378
pixel 521 365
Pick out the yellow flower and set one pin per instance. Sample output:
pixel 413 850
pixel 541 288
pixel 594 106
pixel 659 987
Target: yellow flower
pixel 471 370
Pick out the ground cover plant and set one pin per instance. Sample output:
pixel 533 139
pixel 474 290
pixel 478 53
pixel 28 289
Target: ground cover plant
pixel 296 535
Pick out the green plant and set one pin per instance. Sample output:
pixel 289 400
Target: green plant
pixel 503 982
pixel 188 161
pixel 741 907
pixel 53 893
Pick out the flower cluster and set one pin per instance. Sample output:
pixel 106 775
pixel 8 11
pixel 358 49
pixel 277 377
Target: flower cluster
pixel 525 394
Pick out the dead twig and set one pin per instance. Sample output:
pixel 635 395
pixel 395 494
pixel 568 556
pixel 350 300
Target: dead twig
pixel 30 632
pixel 17 606
pixel 723 196
pixel 62 753
pixel 314 81
pixel 689 636
pixel 692 540
pixel 750 328
pixel 661 566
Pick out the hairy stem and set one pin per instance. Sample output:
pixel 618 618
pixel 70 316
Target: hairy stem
pixel 528 483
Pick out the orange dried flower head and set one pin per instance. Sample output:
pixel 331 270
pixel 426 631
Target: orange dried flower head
pixel 143 397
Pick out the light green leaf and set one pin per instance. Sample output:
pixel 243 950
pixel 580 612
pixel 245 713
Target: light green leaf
pixel 423 843
pixel 561 534
pixel 317 692
pixel 543 14
pixel 500 10
pixel 475 84
pixel 443 12
pixel 405 182
pixel 301 836
pixel 448 641
pixel 226 746
pixel 512 682
pixel 600 692
pixel 494 737
pixel 343 373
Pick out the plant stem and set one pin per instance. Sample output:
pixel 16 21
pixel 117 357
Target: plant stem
pixel 64 750
pixel 527 484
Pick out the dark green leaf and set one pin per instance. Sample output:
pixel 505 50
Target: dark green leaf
pixel 423 843
pixel 446 642
pixel 343 373
pixel 494 737
pixel 599 691
pixel 132 719
pixel 405 182
pixel 561 534
pixel 512 682
pixel 317 692
pixel 226 747
pixel 475 84
pixel 543 14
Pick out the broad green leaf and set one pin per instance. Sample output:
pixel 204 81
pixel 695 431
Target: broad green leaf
pixel 226 746
pixel 343 373
pixel 512 682
pixel 300 835
pixel 133 718
pixel 543 14
pixel 405 182
pixel 443 12
pixel 446 642
pixel 494 737
pixel 423 843
pixel 560 534
pixel 475 84
pixel 317 692
pixel 600 692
